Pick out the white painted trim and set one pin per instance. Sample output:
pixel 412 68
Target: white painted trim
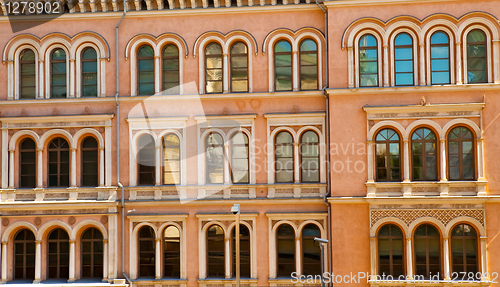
pixel 487 33
pixel 380 59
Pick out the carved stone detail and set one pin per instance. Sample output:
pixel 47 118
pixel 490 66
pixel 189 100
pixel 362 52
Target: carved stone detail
pixel 410 215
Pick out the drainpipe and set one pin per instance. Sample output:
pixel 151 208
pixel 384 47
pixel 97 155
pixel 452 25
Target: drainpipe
pixel 328 180
pixel 118 142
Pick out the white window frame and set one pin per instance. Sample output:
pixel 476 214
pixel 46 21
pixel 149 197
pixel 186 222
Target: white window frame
pixel 415 59
pixel 48 72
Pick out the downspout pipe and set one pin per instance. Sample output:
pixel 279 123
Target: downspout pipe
pixel 118 141
pixel 328 180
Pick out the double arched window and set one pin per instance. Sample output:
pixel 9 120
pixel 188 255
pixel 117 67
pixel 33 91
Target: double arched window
pixel 240 163
pixel 244 251
pixel 171 159
pixel 146 252
pixel 214 147
pixel 27 75
pixel 403 60
pixel 58 85
pixel 477 67
pixel 440 58
pixel 145 70
pixel 308 65
pixel 171 252
pixel 146 160
pixel 213 68
pixel 89 73
pixel 58 163
pixel 170 68
pixel 368 61
pixel 285 248
pixel 239 67
pixel 388 155
pixel 215 252
pixel 284 157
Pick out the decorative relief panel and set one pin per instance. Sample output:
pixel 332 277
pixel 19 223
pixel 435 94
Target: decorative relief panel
pixel 410 215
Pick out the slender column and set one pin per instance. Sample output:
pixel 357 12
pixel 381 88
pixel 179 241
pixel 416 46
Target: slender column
pixel 39 169
pixel 158 165
pixel 298 261
pixel 484 262
pixel 227 257
pixel 38 261
pixel 350 59
pixel 225 73
pixel 480 159
pixel 73 167
pixel 369 151
pixel 227 176
pixel 105 261
pixel 40 80
pixel 107 151
pixel 373 255
pixel 296 168
pixel 458 53
pixel 406 166
pixel 158 259
pixel 295 74
pixel 101 166
pixel 157 75
pixel 496 64
pixel 422 66
pixel 386 66
pixel 5 155
pixel 71 261
pixel 409 258
pixel 443 159
pixel 11 168
pixel 10 85
pixel 102 74
pixel 446 255
pixel 72 81
pixel 4 261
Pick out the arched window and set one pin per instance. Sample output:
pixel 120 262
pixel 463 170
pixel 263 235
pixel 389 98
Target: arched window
pixel 311 252
pixel 309 157
pixel 461 154
pixel 424 154
pixel 239 67
pixel 239 158
pixel 89 73
pixel 388 155
pixel 145 70
pixel 58 163
pixel 27 76
pixel 90 162
pixel 146 160
pixel 58 74
pixel 27 163
pixel 440 59
pixel 58 254
pixel 308 65
pixel 171 79
pixel 171 159
pixel 171 252
pixel 146 252
pixel 427 247
pixel 285 248
pixel 213 68
pixel 214 146
pixel 403 60
pixel 24 255
pixel 283 66
pixel 215 251
pixel 390 251
pixel 283 151
pixel 368 61
pixel 92 253
pixel 464 249
pixel 244 251
pixel 477 67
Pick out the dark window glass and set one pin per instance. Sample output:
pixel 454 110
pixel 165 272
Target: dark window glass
pixel 92 253
pixel 239 67
pixel 311 252
pixel 24 255
pixel 172 252
pixel 170 69
pixel 90 162
pixel 403 60
pixel 283 151
pixel 215 252
pixel 440 58
pixel 58 74
pixel 171 159
pixel 283 66
pixel 239 158
pixel 308 65
pixel 89 73
pixel 145 71
pixel 213 68
pixel 424 154
pixel 27 74
pixel 388 155
pixel 390 251
pixel 461 154
pixel 309 157
pixel 58 163
pixel 214 146
pixel 147 252
pixel 27 163
pixel 146 160
pixel 244 251
pixel 58 254
pixel 427 247
pixel 476 57
pixel 368 61
pixel 285 246
pixel 464 249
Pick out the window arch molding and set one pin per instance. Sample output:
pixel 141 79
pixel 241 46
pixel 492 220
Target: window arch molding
pixel 487 30
pixel 462 122
pixel 388 220
pixel 11 230
pixel 427 220
pixel 82 226
pixel 379 39
pixel 465 220
pixel 203 246
pixel 182 234
pixel 387 124
pixel 428 124
pixel 415 44
pixel 51 134
pixel 455 78
pixel 134 247
pixel 47 57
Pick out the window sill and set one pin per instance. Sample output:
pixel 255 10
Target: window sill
pixel 230 282
pixel 414 89
pixel 101 193
pixel 426 188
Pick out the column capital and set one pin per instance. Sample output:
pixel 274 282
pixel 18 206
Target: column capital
pixel 446 237
pixel 386 46
pixel 483 237
pixel 12 150
pixel 38 241
pixel 101 149
pixel 297 238
pixel 458 43
pixel 72 241
pixel 73 149
pixel 39 149
pixel 157 239
pixel 421 45
pixel 105 241
pixel 408 238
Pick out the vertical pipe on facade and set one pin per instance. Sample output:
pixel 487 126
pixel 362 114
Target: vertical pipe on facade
pixel 328 180
pixel 118 142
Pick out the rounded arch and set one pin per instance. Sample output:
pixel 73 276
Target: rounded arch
pixel 304 129
pixel 138 41
pixel 281 129
pixel 488 30
pixel 373 28
pixel 138 135
pixel 210 224
pixel 315 223
pixel 54 133
pixel 138 227
pixel 275 36
pixel 19 42
pixel 478 22
pixel 389 220
pixel 426 220
pixel 281 222
pixel 84 225
pixel 465 122
pixel 81 134
pixel 312 34
pixel 387 124
pixel 399 26
pixel 51 225
pixel 234 131
pixel 233 224
pixel 416 39
pixel 205 39
pixel 161 228
pixel 162 134
pixel 443 24
pixel 52 45
pixel 467 220
pixel 243 36
pixel 423 123
pixel 11 230
pixel 452 38
pixel 204 135
pixel 81 40
pixel 22 134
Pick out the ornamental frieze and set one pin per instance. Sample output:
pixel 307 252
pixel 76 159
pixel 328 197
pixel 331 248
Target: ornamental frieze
pixel 410 215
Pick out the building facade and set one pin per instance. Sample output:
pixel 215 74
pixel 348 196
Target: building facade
pixel 127 136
